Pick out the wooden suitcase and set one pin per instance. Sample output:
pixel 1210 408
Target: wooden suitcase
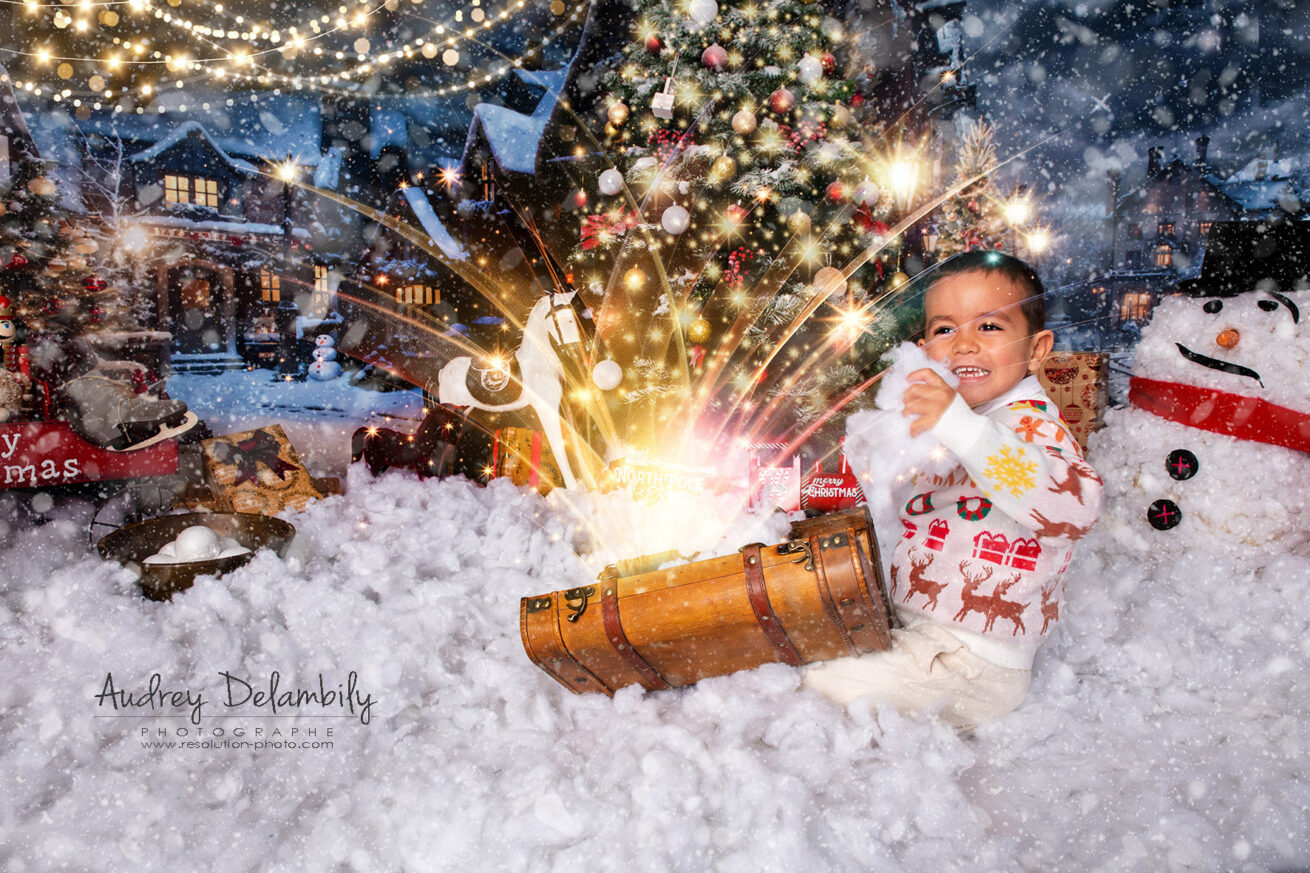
pixel 818 596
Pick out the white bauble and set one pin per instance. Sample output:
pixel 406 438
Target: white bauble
pixel 744 122
pixel 867 193
pixel 607 375
pixel 675 219
pixel 610 182
pixel 829 282
pixel 809 70
pixel 702 12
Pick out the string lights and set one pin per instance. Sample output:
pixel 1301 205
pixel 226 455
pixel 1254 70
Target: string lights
pixel 213 59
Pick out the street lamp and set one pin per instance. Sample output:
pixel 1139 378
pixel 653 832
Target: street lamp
pixel 287 172
pixel 930 238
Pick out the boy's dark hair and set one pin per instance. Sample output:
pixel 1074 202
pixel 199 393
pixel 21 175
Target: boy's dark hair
pixel 1008 266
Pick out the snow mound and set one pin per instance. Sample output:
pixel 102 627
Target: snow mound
pixel 1165 729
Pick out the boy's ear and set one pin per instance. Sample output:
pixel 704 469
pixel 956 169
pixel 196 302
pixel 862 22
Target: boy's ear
pixel 1043 341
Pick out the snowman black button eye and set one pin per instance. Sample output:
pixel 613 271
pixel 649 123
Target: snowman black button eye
pixel 1268 305
pixel 1213 306
pixel 1181 464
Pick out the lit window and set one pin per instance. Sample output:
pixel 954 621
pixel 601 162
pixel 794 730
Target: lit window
pixel 1165 228
pixel 1164 255
pixel 191 189
pixel 270 286
pixel 418 295
pixel 1205 228
pixel 322 290
pixel 1135 306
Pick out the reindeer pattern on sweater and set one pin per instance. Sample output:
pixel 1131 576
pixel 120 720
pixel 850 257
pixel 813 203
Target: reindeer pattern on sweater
pixel 985 545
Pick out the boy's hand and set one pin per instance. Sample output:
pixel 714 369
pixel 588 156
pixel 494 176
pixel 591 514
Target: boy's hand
pixel 925 400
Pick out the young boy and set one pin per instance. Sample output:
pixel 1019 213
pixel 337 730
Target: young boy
pixel 977 577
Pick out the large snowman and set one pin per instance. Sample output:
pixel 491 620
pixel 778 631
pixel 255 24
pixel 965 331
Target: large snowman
pixel 1213 450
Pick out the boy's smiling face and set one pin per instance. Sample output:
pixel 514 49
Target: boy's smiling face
pixel 973 322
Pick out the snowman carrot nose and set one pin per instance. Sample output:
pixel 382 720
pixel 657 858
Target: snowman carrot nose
pixel 1227 338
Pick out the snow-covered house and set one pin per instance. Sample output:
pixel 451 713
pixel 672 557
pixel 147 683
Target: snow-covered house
pixel 1157 232
pixel 192 194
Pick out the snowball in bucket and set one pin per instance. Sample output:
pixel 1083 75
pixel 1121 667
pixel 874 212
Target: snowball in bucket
pixel 197 543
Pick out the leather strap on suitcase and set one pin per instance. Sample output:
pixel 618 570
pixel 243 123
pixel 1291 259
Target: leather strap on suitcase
pixel 758 594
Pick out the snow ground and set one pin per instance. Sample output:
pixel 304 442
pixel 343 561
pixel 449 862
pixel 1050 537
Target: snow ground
pixel 1165 729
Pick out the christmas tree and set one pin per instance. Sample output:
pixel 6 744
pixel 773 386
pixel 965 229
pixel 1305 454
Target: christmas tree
pixel 744 193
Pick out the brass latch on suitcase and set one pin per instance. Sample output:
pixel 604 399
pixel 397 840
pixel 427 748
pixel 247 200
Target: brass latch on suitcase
pixel 801 547
pixel 582 595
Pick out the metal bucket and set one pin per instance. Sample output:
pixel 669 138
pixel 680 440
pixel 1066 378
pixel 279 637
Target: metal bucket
pixel 132 544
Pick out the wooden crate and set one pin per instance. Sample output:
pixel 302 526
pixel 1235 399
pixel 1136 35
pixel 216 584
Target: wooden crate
pixel 818 596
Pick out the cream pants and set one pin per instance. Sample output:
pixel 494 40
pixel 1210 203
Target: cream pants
pixel 927 670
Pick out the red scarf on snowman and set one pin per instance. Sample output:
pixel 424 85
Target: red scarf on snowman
pixel 1234 415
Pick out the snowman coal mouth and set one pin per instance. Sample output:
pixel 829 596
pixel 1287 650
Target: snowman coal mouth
pixel 1216 364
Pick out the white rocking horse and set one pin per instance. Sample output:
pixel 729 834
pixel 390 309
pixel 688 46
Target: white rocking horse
pixel 552 325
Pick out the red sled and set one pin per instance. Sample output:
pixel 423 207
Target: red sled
pixel 39 454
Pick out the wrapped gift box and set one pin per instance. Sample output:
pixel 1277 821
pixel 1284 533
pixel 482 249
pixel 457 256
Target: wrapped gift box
pixel 1078 382
pixel 524 456
pixel 257 471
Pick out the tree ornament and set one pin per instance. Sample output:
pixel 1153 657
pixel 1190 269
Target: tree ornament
pixel 618 113
pixel 867 193
pixel 896 280
pixel 16 262
pixel 836 192
pixel 723 168
pixel 662 103
pixel 94 283
pixel 635 278
pixel 829 282
pixel 744 122
pixel 42 187
pixel 829 62
pixel 702 12
pixel 610 182
pixel 798 223
pixel 736 213
pixel 809 70
pixel 714 57
pixel 653 44
pixel 841 116
pixel 698 331
pixel 607 375
pixel 782 101
pixel 675 219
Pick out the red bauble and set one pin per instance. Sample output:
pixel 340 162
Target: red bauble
pixel 782 101
pixel 16 261
pixel 653 44
pixel 94 283
pixel 836 192
pixel 714 57
pixel 857 100
pixel 829 63
pixel 973 205
pixel 736 213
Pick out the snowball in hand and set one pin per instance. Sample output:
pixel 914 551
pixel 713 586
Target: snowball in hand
pixel 879 447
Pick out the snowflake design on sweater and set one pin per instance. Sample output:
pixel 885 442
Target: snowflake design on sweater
pixel 1009 471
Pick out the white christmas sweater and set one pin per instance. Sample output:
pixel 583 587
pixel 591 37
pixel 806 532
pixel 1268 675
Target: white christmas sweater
pixel 985 546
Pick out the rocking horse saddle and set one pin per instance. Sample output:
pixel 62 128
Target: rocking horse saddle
pixel 495 386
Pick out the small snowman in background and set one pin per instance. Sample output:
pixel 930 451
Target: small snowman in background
pixel 324 366
pixel 1213 450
